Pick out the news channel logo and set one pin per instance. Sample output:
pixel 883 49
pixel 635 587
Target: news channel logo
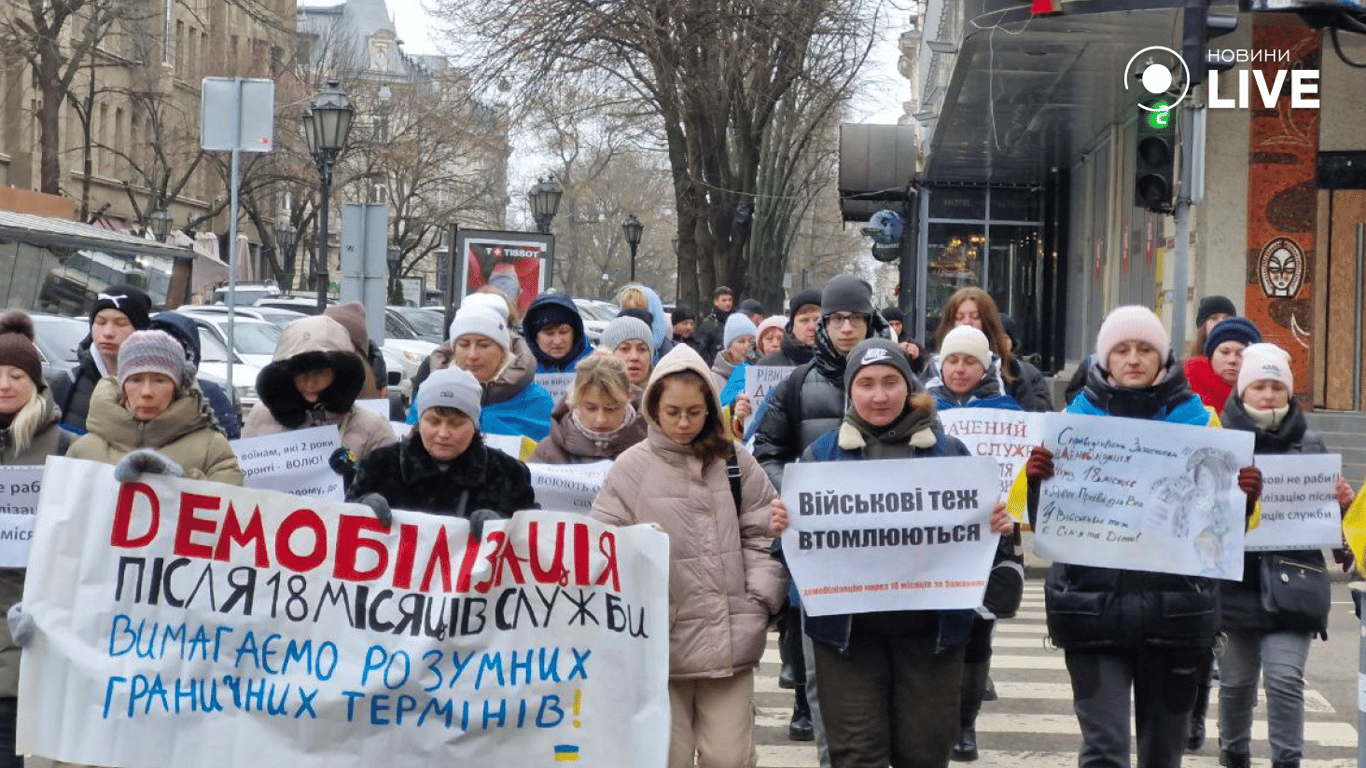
pixel 1159 69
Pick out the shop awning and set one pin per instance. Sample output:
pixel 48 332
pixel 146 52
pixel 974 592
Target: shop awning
pixel 47 231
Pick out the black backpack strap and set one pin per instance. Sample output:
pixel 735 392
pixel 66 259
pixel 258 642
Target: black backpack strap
pixel 733 473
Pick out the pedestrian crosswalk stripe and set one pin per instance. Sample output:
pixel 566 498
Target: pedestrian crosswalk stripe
pixel 999 759
pixel 1010 661
pixel 1328 734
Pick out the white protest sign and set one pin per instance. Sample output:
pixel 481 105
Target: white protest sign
pixel 19 485
pixel 1143 495
pixel 761 379
pixel 1005 436
pixel 557 384
pixel 509 444
pixel 297 462
pixel 378 406
pixel 1299 502
pixel 568 487
pixel 898 535
pixel 185 623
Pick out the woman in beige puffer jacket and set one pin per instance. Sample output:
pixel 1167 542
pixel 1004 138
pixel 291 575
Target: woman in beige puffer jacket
pixel 723 584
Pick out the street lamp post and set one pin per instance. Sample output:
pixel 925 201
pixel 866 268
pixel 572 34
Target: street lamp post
pixel 633 229
pixel 327 123
pixel 285 236
pixel 395 259
pixel 161 223
pixel 544 199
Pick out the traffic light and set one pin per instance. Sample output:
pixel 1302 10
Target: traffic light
pixel 1155 159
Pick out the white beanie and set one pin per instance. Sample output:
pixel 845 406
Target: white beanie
pixel 480 320
pixel 1265 361
pixel 451 388
pixel 488 301
pixel 737 325
pixel 966 340
pixel 1131 323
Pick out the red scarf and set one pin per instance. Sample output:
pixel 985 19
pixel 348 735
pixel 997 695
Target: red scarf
pixel 1212 389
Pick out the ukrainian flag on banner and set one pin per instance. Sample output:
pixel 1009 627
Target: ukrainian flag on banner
pixel 1354 529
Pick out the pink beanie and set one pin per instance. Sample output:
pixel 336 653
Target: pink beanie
pixel 776 321
pixel 1265 361
pixel 1131 323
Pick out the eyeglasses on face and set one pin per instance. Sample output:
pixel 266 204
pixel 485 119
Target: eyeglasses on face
pixel 853 319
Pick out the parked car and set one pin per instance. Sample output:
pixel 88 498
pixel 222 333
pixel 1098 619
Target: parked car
pixel 213 364
pixel 57 338
pixel 247 293
pixel 280 317
pixel 429 323
pixel 308 305
pixel 253 340
pixel 595 318
pixel 402 340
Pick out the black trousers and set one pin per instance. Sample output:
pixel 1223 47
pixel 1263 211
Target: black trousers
pixel 9 716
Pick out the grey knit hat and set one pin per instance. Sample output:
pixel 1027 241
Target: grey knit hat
pixel 622 329
pixel 451 388
pixel 846 293
pixel 153 352
pixel 877 351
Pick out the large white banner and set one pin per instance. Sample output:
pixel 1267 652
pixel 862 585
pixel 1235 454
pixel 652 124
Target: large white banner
pixel 19 486
pixel 1005 436
pixel 568 487
pixel 1143 495
pixel 1299 502
pixel 297 462
pixel 898 535
pixel 185 623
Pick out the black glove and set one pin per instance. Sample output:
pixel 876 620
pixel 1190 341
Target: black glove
pixel 145 461
pixel 480 516
pixel 343 462
pixel 1344 557
pixel 380 506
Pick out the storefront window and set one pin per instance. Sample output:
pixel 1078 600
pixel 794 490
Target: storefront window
pixel 71 286
pixel 954 261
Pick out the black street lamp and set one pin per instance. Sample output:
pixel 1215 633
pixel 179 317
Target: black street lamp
pixel 633 229
pixel 544 199
pixel 395 256
pixel 161 223
pixel 327 123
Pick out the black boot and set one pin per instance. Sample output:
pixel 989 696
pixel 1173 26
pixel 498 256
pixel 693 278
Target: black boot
pixel 793 672
pixel 970 702
pixel 800 729
pixel 1235 759
pixel 1196 738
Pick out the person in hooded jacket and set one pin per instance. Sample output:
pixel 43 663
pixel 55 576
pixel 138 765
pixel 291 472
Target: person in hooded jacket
pixel 1019 378
pixel 643 297
pixel 1276 644
pixel 723 585
pixel 890 680
pixel 443 466
pixel 153 419
pixel 351 315
pixel 596 420
pixel 797 348
pixel 553 329
pixel 313 380
pixel 184 330
pixel 28 435
pixel 968 380
pixel 1132 633
pixel 118 311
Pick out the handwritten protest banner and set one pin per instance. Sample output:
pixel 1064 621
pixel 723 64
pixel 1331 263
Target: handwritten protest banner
pixel 1143 495
pixel 185 623
pixel 761 379
pixel 1005 436
pixel 568 487
pixel 898 535
pixel 297 462
pixel 1299 502
pixel 557 384
pixel 19 485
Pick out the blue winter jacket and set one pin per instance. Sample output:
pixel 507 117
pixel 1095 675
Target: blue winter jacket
pixel 834 630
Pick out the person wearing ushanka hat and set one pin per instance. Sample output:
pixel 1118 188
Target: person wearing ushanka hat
pixel 629 339
pixel 914 657
pixel 443 466
pixel 152 420
pixel 553 329
pixel 117 312
pixel 1137 646
pixel 1213 373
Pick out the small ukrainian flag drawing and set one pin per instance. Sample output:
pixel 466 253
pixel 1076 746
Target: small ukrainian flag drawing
pixel 566 753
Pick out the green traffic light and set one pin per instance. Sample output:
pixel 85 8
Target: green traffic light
pixel 1159 115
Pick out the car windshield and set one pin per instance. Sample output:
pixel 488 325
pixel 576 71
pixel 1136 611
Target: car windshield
pixel 426 323
pixel 253 338
pixel 60 336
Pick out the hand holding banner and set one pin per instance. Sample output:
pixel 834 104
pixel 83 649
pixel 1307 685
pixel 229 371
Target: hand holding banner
pixel 897 535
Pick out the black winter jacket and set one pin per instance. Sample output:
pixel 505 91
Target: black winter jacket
pixel 1102 609
pixel 73 395
pixel 408 478
pixel 792 353
pixel 709 334
pixel 1029 389
pixel 809 403
pixel 1241 601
